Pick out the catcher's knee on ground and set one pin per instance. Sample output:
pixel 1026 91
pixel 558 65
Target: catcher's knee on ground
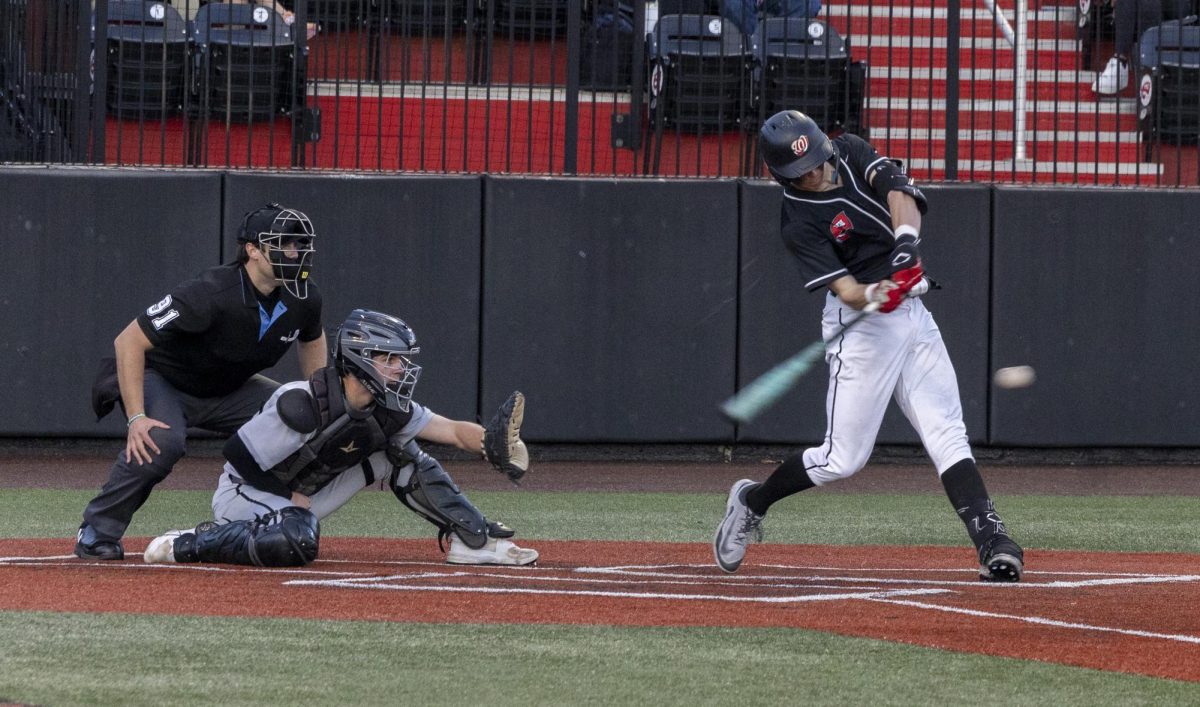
pixel 285 538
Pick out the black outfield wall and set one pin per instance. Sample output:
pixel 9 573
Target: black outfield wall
pixel 625 310
pixel 84 251
pixel 1094 288
pixel 612 306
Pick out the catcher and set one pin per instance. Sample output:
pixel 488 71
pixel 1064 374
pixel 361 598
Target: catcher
pixel 316 443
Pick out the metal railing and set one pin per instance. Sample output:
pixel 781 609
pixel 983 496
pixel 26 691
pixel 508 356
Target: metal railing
pixel 589 87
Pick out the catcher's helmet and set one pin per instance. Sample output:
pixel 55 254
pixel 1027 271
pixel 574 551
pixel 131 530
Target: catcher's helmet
pixel 377 349
pixel 288 236
pixel 792 145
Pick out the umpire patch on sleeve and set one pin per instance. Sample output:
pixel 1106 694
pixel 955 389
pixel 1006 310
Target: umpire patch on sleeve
pixel 298 411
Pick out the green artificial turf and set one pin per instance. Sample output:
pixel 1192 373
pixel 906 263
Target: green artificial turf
pixel 57 659
pixel 1115 523
pixel 65 659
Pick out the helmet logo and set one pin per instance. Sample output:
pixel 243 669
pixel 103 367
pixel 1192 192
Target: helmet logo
pixel 840 227
pixel 800 146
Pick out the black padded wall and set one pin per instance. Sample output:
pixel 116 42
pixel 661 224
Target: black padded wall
pixel 778 317
pixel 405 245
pixel 84 252
pixel 1093 289
pixel 611 305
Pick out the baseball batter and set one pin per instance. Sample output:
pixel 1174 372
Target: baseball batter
pixel 852 220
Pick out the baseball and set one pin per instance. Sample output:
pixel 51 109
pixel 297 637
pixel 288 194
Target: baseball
pixel 1014 377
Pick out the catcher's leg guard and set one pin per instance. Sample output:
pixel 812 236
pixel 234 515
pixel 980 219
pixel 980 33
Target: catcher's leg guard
pixel 431 493
pixel 284 538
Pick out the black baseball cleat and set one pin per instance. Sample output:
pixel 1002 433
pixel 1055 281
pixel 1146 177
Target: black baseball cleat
pixel 1001 560
pixel 89 547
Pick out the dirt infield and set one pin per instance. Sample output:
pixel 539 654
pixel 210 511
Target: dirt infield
pixel 1108 611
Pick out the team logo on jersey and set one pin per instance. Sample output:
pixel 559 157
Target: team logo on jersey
pixel 840 227
pixel 800 145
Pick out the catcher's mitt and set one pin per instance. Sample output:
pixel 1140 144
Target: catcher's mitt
pixel 502 445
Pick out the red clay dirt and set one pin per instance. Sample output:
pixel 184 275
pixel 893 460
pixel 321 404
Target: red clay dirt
pixel 1108 611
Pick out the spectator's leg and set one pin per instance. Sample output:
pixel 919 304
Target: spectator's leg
pixel 1130 19
pixel 796 8
pixel 742 13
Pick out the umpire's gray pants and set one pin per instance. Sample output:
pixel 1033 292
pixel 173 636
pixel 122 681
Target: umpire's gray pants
pixel 129 483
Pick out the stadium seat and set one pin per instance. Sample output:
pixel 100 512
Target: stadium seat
pixel 245 62
pixel 805 65
pixel 531 18
pixel 146 53
pixel 1169 83
pixel 432 18
pixel 700 70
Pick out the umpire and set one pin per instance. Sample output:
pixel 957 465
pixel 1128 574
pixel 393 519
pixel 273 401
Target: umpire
pixel 193 360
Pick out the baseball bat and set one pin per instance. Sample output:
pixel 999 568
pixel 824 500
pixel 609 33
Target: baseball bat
pixel 764 391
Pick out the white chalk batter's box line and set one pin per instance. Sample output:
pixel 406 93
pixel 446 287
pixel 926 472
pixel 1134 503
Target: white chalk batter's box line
pixel 816 577
pixel 852 587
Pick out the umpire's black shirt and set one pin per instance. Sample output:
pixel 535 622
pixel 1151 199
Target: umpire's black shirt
pixel 843 231
pixel 212 333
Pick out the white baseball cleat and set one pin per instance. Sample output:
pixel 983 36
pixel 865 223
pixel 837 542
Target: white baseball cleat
pixel 161 550
pixel 497 551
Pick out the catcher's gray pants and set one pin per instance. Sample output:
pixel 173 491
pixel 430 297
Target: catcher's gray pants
pixel 237 500
pixel 129 484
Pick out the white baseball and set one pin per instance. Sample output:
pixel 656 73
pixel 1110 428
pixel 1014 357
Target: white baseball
pixel 1014 377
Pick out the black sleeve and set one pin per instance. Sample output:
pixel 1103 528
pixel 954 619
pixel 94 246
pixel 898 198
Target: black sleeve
pixel 240 458
pixel 187 309
pixel 882 174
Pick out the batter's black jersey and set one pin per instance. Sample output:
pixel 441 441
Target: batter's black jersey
pixel 843 231
pixel 212 333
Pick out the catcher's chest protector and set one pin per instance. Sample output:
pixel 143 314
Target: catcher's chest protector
pixel 343 437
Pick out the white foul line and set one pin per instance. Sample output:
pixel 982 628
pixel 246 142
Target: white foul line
pixel 1183 638
pixel 384 584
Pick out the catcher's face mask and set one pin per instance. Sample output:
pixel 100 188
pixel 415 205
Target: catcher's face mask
pixel 396 376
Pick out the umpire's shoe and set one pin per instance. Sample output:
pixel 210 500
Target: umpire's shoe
pixel 90 547
pixel 737 528
pixel 1001 560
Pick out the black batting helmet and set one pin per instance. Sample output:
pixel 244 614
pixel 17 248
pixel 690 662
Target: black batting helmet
pixel 792 145
pixel 377 349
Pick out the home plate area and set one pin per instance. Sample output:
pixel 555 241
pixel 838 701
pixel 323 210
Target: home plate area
pixel 770 584
pixel 778 584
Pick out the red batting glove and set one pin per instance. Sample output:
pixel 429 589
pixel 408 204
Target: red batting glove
pixel 905 280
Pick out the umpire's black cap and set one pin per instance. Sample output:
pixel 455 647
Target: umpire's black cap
pixel 275 220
